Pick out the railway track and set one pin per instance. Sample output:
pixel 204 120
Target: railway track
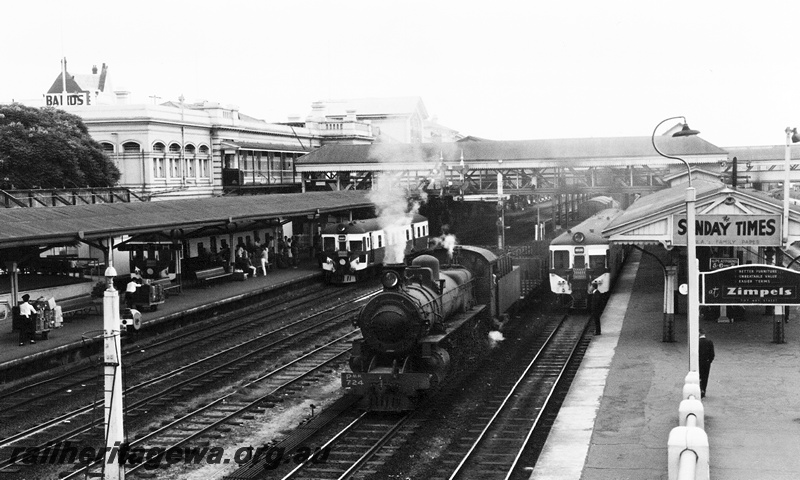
pixel 140 356
pixel 496 446
pixel 353 447
pixel 509 426
pixel 183 381
pixel 227 408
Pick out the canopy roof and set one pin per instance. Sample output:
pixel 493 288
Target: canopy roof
pixel 67 224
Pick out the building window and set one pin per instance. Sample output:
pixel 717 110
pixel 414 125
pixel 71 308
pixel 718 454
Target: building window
pixel 190 167
pixel 108 148
pixel 158 168
pixel 202 167
pixel 130 147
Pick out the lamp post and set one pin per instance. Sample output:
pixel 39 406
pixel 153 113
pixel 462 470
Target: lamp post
pixel 691 249
pixel 112 365
pixel 791 137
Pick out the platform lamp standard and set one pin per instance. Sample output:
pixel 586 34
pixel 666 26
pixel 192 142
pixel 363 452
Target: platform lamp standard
pixel 691 252
pixel 112 373
pixel 791 137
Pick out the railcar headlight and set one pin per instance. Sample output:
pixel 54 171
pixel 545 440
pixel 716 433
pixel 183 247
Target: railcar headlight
pixel 390 279
pixel 342 261
pixel 578 237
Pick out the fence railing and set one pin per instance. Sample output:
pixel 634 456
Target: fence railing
pixel 66 196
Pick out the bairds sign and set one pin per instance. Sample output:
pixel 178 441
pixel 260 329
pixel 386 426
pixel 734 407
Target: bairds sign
pixel 70 99
pixel 730 230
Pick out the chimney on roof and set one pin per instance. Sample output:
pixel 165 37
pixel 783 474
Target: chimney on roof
pixel 94 69
pixel 122 96
pixel 351 115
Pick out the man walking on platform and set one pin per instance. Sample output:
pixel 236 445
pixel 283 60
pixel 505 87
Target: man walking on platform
pixel 706 357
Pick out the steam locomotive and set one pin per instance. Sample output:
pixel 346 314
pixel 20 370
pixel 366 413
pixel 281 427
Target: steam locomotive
pixel 581 260
pixel 438 306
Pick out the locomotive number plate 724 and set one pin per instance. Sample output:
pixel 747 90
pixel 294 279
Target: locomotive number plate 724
pixel 353 380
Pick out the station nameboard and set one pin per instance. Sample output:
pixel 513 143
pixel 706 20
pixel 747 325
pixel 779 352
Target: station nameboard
pixel 730 230
pixel 750 285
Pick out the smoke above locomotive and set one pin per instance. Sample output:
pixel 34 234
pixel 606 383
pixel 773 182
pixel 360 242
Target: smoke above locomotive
pixel 395 212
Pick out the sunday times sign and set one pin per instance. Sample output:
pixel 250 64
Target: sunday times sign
pixel 730 230
pixel 750 285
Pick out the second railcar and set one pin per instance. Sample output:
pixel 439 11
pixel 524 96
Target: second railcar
pixel 582 260
pixel 351 251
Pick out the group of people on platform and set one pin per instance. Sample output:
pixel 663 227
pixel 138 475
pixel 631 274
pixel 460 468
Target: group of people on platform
pixel 251 256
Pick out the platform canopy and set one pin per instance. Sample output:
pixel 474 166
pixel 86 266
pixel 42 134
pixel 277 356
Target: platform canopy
pixel 26 227
pixel 724 217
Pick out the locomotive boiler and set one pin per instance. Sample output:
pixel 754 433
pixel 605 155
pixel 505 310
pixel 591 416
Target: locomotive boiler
pixel 427 312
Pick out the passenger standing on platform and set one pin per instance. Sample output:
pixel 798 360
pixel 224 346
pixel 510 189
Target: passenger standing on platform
pixel 130 289
pixel 28 329
pixel 264 256
pixel 596 299
pixel 706 357
pixel 289 250
pixel 294 252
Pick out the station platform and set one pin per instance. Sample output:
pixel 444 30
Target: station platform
pixel 623 403
pixel 76 331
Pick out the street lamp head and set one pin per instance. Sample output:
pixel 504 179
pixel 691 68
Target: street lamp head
pixel 795 136
pixel 685 131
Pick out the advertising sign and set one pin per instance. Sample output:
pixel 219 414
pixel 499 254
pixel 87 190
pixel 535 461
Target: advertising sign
pixel 750 285
pixel 70 99
pixel 730 230
pixel 717 263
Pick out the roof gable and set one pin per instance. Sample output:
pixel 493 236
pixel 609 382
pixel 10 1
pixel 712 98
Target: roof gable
pixel 649 219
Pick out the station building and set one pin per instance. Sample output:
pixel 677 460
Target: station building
pixel 179 149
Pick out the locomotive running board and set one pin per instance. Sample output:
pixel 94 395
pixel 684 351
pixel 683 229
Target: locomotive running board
pixel 459 319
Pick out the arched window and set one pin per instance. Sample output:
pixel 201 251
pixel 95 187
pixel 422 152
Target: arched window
pixel 202 162
pixel 190 161
pixel 107 147
pixel 158 160
pixel 131 147
pixel 174 148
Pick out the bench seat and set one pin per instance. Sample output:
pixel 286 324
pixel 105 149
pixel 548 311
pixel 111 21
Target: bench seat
pixel 78 305
pixel 204 277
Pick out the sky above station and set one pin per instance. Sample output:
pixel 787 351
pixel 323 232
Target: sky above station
pixel 497 69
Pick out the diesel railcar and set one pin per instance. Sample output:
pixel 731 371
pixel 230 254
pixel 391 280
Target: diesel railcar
pixel 427 317
pixel 352 250
pixel 582 260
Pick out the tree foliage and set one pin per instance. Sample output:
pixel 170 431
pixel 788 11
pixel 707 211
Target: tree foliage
pixel 50 148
